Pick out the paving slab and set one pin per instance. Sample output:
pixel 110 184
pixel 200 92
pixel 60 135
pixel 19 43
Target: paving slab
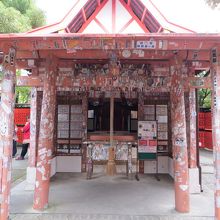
pixel 101 217
pixel 73 195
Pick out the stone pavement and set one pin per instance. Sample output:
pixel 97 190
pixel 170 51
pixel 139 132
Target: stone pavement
pixel 100 217
pixel 206 162
pixel 72 197
pixel 18 171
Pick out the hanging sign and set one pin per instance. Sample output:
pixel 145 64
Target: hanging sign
pixel 151 44
pixel 147 130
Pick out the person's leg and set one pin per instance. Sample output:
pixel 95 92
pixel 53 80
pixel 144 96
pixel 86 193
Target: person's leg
pixel 24 150
pixel 14 148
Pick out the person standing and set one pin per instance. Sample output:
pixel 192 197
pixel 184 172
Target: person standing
pixel 26 139
pixel 15 138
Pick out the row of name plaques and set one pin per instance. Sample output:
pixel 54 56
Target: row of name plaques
pixel 69 148
pixel 159 113
pixel 152 132
pixel 100 151
pixel 69 129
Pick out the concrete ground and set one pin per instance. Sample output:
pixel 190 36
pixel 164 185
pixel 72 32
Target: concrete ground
pixel 206 162
pixel 18 172
pixel 72 197
pixel 18 169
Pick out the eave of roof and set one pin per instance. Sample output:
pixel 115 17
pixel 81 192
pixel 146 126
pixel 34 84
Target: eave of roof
pixel 177 36
pixel 62 25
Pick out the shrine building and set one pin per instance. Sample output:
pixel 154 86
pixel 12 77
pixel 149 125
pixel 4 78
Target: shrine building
pixel 114 86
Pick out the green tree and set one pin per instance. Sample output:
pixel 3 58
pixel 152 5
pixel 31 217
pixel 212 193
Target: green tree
pixel 36 16
pixel 205 98
pixel 19 5
pixel 20 16
pixel 204 95
pixel 12 21
pixel 22 93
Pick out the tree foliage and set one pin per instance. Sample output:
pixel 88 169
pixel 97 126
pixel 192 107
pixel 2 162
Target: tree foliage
pixel 20 16
pixel 204 95
pixel 22 93
pixel 205 98
pixel 36 17
pixel 12 21
pixel 19 5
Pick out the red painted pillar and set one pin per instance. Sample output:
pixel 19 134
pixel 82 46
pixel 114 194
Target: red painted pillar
pixel 193 136
pixel 6 137
pixel 33 131
pixel 46 138
pixel 187 115
pixel 84 136
pixel 180 156
pixel 216 133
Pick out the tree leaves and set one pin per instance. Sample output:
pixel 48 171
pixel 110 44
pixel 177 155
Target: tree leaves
pixel 19 5
pixel 20 16
pixel 23 95
pixel 205 98
pixel 12 21
pixel 36 17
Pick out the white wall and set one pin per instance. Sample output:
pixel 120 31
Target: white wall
pixel 68 164
pixel 150 166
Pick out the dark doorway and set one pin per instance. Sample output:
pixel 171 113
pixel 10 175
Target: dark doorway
pixel 125 115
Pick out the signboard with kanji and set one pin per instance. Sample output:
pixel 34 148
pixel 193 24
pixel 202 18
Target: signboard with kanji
pixel 147 139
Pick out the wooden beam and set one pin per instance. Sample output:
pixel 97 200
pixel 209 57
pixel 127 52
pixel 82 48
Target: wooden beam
pixel 165 42
pixel 114 16
pixel 70 82
pixel 69 63
pixel 99 23
pixel 143 15
pixel 198 83
pixel 111 166
pixel 84 14
pixel 95 13
pixel 6 137
pixel 129 54
pixel 127 6
pixel 72 55
pixel 46 137
pixel 126 25
pixel 179 141
pixel 30 81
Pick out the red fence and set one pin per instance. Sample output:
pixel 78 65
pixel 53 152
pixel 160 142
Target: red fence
pixel 201 139
pixel 208 121
pixel 205 130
